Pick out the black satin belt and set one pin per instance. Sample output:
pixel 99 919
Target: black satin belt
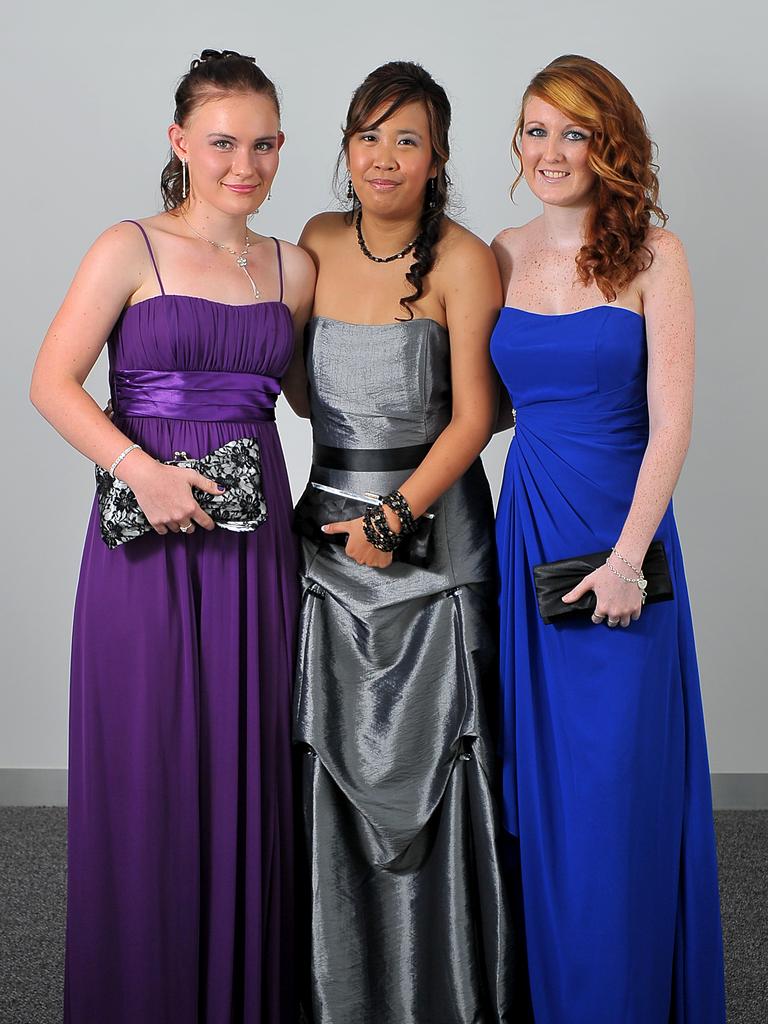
pixel 369 460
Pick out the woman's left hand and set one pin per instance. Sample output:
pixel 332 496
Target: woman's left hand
pixel 358 546
pixel 618 602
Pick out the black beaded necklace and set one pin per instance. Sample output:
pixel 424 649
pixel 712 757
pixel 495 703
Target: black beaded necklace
pixel 367 252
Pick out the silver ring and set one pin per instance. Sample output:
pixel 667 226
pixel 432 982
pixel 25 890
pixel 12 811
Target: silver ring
pixel 185 528
pixel 613 622
pixel 597 619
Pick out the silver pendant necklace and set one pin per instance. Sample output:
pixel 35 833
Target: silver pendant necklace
pixel 241 258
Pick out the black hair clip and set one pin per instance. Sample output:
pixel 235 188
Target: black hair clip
pixel 206 56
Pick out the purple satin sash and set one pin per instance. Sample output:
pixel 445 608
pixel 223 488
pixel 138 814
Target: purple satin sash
pixel 195 395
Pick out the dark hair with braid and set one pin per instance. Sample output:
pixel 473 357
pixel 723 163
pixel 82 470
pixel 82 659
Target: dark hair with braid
pixel 392 86
pixel 214 72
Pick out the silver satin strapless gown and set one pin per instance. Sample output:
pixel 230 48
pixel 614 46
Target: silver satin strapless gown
pixel 409 921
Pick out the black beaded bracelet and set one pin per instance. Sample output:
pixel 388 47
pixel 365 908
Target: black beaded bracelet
pixel 402 510
pixel 377 530
pixel 385 531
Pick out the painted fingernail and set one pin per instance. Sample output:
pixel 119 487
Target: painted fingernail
pixel 220 488
pixel 324 529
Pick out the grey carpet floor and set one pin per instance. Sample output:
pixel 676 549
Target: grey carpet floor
pixel 32 881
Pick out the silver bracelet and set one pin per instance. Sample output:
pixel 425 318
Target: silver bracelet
pixel 635 570
pixel 641 582
pixel 121 456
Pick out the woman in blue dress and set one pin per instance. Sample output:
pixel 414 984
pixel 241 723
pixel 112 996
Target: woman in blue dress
pixel 605 774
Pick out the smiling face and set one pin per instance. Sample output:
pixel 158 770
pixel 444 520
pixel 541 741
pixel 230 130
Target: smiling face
pixel 391 163
pixel 554 152
pixel 231 145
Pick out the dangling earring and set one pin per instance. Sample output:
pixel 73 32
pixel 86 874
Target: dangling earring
pixel 432 193
pixel 183 178
pixel 269 195
pixel 350 189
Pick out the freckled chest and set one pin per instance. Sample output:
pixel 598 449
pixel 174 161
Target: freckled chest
pixel 547 277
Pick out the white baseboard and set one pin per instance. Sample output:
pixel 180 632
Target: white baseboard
pixel 740 791
pixel 33 787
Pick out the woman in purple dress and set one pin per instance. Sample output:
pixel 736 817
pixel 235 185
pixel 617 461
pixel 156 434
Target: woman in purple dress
pixel 180 808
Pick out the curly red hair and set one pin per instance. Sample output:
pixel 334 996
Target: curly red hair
pixel 620 155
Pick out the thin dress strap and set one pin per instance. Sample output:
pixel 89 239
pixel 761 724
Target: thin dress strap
pixel 279 266
pixel 151 254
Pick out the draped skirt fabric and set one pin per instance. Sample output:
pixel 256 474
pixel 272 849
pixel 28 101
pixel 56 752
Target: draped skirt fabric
pixel 180 884
pixel 605 773
pixel 409 920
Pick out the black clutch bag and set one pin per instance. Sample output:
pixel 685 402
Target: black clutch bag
pixel 553 580
pixel 236 466
pixel 317 507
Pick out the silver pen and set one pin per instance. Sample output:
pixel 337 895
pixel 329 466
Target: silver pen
pixel 369 498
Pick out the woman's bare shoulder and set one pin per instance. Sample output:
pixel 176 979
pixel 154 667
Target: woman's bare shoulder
pixel 668 266
pixel 459 245
pixel 465 267
pixel 295 259
pixel 168 222
pixel 120 252
pixel 665 245
pixel 666 277
pixel 324 227
pixel 122 238
pixel 508 247
pixel 512 240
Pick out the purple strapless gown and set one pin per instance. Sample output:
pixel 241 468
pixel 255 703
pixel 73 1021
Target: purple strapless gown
pixel 180 904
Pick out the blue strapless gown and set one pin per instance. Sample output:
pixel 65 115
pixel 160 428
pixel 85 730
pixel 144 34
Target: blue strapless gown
pixel 605 774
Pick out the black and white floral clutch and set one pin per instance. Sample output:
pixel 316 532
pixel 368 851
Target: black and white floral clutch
pixel 241 508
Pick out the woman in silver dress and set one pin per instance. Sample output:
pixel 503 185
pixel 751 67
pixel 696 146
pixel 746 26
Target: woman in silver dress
pixel 408 917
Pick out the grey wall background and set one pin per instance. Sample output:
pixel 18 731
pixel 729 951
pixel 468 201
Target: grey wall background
pixel 87 91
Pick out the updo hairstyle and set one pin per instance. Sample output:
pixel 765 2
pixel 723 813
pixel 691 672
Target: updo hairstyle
pixel 213 72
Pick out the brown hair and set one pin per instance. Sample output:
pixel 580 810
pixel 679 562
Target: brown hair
pixel 214 71
pixel 621 156
pixel 392 86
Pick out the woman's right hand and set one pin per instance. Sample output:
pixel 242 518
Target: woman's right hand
pixel 358 547
pixel 164 494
